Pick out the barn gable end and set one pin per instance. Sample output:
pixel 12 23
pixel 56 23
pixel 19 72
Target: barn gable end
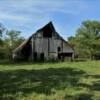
pixel 46 43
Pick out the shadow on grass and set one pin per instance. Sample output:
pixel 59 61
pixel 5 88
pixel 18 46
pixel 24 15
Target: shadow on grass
pixel 41 81
pixel 94 86
pixel 13 63
pixel 81 96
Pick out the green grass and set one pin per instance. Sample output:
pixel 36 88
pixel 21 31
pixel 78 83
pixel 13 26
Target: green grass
pixel 50 81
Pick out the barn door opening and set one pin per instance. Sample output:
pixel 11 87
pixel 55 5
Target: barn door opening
pixel 35 56
pixel 42 56
pixel 26 51
pixel 59 50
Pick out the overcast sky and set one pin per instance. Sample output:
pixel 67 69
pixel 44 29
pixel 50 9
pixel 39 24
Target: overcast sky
pixel 29 15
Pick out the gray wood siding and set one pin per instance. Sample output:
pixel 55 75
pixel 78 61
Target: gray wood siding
pixel 67 48
pixel 54 44
pixel 49 46
pixel 41 46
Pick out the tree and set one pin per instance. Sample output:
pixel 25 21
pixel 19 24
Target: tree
pixel 12 36
pixel 86 39
pixel 2 29
pixel 12 40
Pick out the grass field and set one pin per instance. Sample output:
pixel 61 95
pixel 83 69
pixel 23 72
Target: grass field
pixel 50 81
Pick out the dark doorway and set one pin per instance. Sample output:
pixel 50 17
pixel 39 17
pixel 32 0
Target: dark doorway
pixel 26 51
pixel 35 56
pixel 62 56
pixel 42 56
pixel 59 56
pixel 59 49
pixel 67 54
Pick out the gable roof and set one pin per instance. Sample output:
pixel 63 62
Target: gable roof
pixel 51 27
pixel 22 45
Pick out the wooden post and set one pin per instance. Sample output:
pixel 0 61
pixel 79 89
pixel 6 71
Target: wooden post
pixel 73 56
pixel 32 48
pixel 48 46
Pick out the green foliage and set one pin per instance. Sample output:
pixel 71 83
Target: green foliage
pixel 87 39
pixel 2 53
pixel 13 38
pixel 2 29
pixel 11 41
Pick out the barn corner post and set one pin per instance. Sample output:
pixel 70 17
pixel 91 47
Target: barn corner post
pixel 32 48
pixel 73 56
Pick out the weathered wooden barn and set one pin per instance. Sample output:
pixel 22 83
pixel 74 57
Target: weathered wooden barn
pixel 46 43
